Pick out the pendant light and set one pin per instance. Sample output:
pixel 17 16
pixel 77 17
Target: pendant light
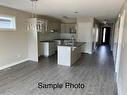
pixel 34 8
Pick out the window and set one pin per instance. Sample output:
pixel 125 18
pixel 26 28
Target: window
pixel 104 33
pixel 7 22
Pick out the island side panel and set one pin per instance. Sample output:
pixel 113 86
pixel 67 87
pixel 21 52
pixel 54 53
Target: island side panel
pixel 75 54
pixel 64 55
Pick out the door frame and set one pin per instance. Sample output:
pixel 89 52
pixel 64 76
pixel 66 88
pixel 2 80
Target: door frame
pixel 102 33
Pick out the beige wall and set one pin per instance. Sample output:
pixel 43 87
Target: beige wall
pixel 14 44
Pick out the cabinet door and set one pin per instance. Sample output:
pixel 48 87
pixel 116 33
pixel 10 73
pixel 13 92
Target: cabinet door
pixel 68 28
pixel 72 28
pixel 63 28
pixel 52 48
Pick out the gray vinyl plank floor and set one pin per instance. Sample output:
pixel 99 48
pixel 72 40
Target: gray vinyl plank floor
pixel 95 71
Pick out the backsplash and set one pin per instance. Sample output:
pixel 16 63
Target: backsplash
pixel 48 36
pixel 67 35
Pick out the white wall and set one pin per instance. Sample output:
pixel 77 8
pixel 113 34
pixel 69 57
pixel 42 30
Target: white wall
pixel 84 33
pixel 123 61
pixel 33 41
pixel 122 78
pixel 13 44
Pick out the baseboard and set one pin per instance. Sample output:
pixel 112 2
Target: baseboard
pixel 13 64
pixel 119 87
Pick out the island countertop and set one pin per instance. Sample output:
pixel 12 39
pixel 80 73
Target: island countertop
pixel 76 44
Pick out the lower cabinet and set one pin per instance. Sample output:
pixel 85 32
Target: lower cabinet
pixel 75 54
pixel 47 48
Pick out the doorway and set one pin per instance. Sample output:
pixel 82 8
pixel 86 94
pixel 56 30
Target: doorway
pixel 105 37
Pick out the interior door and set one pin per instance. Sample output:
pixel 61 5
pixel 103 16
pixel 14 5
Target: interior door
pixel 107 36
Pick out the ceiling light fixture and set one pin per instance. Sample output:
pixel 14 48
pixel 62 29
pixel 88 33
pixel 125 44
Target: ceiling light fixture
pixel 75 12
pixel 34 8
pixel 65 17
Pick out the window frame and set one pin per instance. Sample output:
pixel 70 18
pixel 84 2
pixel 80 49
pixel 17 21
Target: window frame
pixel 14 22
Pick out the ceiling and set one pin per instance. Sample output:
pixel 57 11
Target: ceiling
pixel 58 8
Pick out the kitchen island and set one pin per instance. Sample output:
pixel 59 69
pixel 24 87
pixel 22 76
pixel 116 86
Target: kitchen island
pixel 69 53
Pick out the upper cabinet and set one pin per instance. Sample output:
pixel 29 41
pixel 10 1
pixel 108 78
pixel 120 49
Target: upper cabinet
pixel 68 28
pixel 38 25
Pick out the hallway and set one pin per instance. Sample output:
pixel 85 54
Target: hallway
pixel 95 71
